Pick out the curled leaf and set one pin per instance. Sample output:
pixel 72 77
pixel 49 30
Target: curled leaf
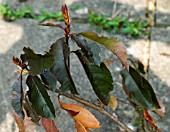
pixel 112 103
pixel 18 62
pixel 49 125
pixel 60 69
pixel 81 114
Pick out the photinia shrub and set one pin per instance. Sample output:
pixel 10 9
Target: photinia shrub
pixel 34 106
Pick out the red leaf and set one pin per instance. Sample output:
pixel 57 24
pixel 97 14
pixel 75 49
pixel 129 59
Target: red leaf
pixel 49 125
pixel 149 119
pixel 65 13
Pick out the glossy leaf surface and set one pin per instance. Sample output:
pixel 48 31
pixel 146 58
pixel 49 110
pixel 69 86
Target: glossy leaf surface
pixel 100 78
pixel 39 97
pixel 60 69
pixel 49 79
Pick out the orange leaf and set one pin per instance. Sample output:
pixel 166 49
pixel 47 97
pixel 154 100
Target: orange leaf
pixel 149 119
pixel 80 127
pixel 81 115
pixel 49 125
pixel 112 102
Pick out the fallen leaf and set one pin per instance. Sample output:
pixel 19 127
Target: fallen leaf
pixel 80 127
pixel 49 125
pixel 81 115
pixel 161 111
pixel 112 102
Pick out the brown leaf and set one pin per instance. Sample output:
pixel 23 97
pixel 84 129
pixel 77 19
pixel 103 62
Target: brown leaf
pixel 20 122
pixel 80 127
pixel 81 115
pixel 18 62
pixel 112 102
pixel 49 125
pixel 161 111
pixel 25 125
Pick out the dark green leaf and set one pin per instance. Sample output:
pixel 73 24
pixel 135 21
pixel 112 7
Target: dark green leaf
pixel 138 66
pixel 49 79
pixel 91 51
pixel 117 47
pixel 139 90
pixel 60 69
pixel 17 98
pixel 30 111
pixel 99 76
pixel 39 98
pixel 37 62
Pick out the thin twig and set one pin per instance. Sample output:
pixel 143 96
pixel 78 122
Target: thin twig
pixel 123 101
pixel 101 110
